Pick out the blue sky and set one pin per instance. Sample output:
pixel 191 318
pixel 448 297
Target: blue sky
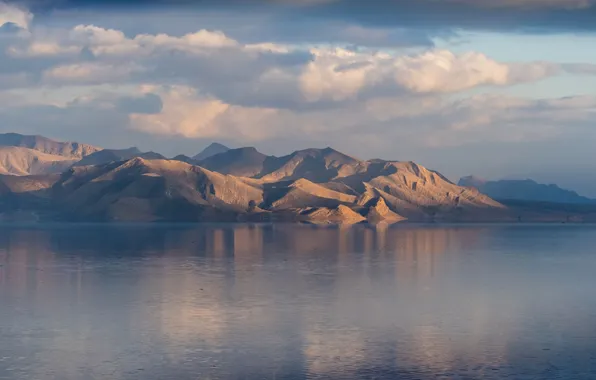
pixel 496 88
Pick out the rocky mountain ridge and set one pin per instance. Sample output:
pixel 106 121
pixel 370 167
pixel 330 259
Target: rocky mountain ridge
pixel 167 190
pixel 311 185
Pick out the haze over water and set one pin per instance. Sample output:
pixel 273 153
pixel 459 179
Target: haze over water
pixel 298 302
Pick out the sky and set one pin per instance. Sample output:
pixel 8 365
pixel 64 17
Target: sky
pixel 495 88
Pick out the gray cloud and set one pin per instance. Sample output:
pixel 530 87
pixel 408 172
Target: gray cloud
pixel 503 15
pixel 541 16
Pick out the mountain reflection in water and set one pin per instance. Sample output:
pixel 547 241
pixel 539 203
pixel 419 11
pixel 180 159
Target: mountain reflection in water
pixel 297 302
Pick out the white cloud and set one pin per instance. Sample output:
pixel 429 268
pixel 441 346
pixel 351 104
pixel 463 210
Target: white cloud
pixel 324 78
pixel 94 35
pixel 339 74
pixel 443 71
pixel 14 15
pixel 106 43
pixel 189 114
pixel 102 41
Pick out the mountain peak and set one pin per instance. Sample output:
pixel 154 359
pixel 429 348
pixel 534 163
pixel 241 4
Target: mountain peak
pixel 217 145
pixel 211 150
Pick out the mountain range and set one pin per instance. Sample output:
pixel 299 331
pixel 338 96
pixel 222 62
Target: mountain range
pixel 45 180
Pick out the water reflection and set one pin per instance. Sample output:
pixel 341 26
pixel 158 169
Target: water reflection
pixel 297 302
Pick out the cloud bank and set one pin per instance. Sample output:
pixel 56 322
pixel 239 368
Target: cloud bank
pixel 383 91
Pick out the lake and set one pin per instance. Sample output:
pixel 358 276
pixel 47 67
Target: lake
pixel 298 302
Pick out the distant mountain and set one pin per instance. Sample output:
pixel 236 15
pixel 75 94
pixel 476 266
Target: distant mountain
pixel 524 190
pixel 151 156
pixel 43 144
pixel 185 158
pixel 211 150
pixel 113 155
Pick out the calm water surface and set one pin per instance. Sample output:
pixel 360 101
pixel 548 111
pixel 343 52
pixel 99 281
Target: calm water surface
pixel 298 302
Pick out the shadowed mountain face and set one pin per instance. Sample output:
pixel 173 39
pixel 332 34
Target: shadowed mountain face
pixel 523 190
pixel 242 162
pixel 211 150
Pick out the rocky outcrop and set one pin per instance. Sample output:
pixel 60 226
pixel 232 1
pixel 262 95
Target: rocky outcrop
pixel 376 211
pixel 336 215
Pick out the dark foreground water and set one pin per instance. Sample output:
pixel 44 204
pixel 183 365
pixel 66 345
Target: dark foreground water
pixel 298 302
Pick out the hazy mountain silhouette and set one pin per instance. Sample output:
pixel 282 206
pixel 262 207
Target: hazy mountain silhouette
pixel 211 150
pixel 524 190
